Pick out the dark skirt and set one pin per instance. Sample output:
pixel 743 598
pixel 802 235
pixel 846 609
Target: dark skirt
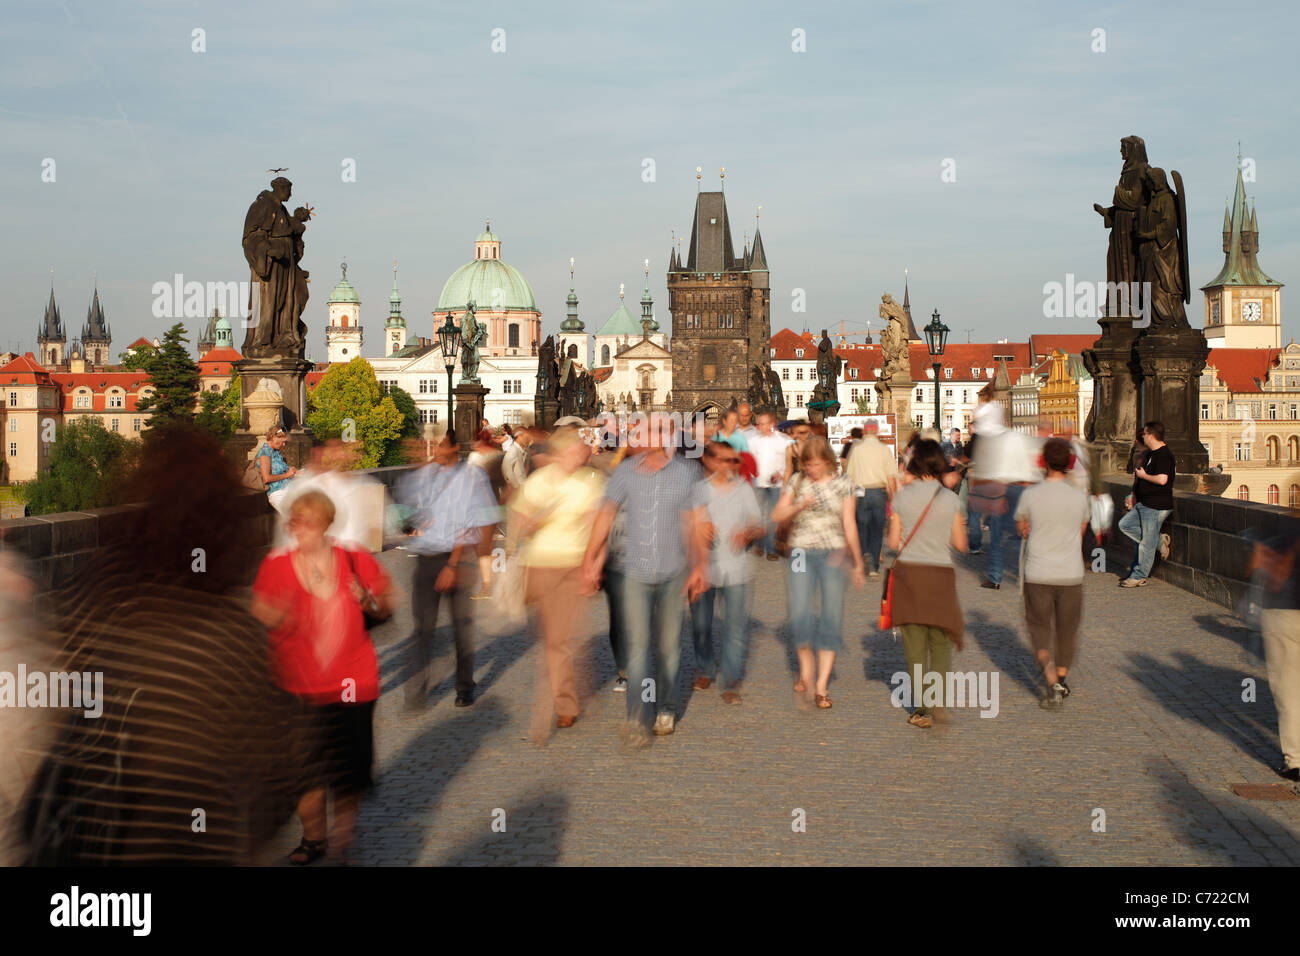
pixel 336 743
pixel 927 594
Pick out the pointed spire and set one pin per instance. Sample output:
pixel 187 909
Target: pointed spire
pixel 572 324
pixel 1241 243
pixel 757 255
pixel 96 328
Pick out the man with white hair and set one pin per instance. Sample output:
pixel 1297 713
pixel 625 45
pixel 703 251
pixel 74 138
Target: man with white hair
pixel 999 470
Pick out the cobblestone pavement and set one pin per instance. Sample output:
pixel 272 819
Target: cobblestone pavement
pixel 1154 735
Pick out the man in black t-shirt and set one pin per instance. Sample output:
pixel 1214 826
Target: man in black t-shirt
pixel 1151 502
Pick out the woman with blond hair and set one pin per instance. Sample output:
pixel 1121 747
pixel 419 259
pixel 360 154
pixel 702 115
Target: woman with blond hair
pixel 824 551
pixel 310 598
pixel 276 472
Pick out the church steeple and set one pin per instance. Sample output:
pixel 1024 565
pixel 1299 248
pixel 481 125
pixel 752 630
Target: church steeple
pixel 394 325
pixel 1241 243
pixel 96 339
pixel 572 325
pixel 648 304
pixel 51 338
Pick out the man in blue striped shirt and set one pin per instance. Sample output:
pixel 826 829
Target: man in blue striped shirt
pixel 454 514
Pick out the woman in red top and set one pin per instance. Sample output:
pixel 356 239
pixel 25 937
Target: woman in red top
pixel 310 598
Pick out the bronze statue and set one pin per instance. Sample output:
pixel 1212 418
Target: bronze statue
pixel 757 396
pixel 471 336
pixel 1121 219
pixel 546 366
pixel 1162 250
pixel 775 393
pixel 273 246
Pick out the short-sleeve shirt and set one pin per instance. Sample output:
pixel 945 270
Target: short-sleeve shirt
pixel 730 509
pixel 769 458
pixel 569 500
pixel 1158 462
pixel 736 439
pixel 655 505
pixel 450 504
pixel 1056 512
pixel 322 642
pixel 932 542
pixel 820 527
pixel 278 467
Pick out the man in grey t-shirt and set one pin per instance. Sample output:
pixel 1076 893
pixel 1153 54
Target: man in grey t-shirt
pixel 1051 516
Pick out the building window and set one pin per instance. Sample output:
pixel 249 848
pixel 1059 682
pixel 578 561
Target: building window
pixel 853 373
pixel 13 424
pixel 785 373
pixel 604 354
pixel 1205 411
pixel 1293 497
pixel 988 373
pixel 83 400
pixel 798 353
pixel 798 373
pixel 512 336
pixel 919 395
pixel 1272 412
pixel 947 373
pixel 1273 493
pixel 1293 448
pixel 798 400
pixel 853 395
pixel 135 424
pixel 115 401
pixel 1242 451
pixel 115 423
pixel 709 364
pixel 1243 493
pixel 1274 445
pixel 13 399
pixel 947 393
pixel 514 416
pixel 1293 409
pixel 13 449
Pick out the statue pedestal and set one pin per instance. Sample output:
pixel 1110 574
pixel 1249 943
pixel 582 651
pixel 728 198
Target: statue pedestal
pixel 470 402
pixel 273 391
pixel 1112 363
pixel 545 411
pixel 1171 362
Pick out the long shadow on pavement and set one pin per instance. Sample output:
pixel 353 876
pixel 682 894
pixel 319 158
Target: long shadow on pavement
pixel 1005 649
pixel 1211 696
pixel 1229 627
pixel 396 662
pixel 531 837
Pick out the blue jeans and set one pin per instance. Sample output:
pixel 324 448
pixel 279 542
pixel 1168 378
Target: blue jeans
pixel 1142 524
pixel 735 634
pixel 871 525
pixel 614 595
pixel 652 610
pixel 829 571
pixel 767 499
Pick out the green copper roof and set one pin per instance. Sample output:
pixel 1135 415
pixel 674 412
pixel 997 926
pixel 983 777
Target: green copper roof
pixel 622 322
pixel 487 235
pixel 491 284
pixel 222 323
pixel 343 292
pixel 1240 266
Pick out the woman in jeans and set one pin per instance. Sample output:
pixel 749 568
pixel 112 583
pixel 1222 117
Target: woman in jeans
pixel 310 599
pixel 926 525
pixel 276 472
pixel 823 546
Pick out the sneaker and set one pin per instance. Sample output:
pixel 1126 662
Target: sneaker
pixel 1065 688
pixel 634 737
pixel 1055 697
pixel 975 551
pixel 1164 546
pixel 873 574
pixel 664 725
pixel 620 686
pixel 1133 583
pixel 992 585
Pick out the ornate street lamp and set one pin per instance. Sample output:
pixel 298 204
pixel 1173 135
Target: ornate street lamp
pixel 581 395
pixel 936 337
pixel 449 342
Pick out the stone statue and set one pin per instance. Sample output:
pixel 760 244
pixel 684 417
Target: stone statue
pixel 471 336
pixel 1121 218
pixel 757 396
pixel 546 366
pixel 1162 250
pixel 273 246
pixel 895 362
pixel 774 392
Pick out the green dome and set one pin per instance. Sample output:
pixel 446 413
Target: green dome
pixel 621 322
pixel 343 292
pixel 487 235
pixel 222 325
pixel 479 280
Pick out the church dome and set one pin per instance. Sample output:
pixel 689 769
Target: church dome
pixel 343 292
pixel 479 280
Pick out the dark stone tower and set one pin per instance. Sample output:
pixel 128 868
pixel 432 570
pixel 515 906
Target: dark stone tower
pixel 96 339
pixel 720 305
pixel 51 339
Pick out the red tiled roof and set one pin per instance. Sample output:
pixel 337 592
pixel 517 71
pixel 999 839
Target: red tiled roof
pixel 960 357
pixel 599 375
pixel 25 370
pixel 141 342
pixel 1071 343
pixel 785 342
pixel 313 378
pixel 218 362
pixel 1241 370
pixel 99 383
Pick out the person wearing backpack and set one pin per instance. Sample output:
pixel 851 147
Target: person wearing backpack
pixel 926 525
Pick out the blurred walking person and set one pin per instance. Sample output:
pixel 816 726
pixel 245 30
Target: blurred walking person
pixel 453 514
pixel 1052 516
pixel 310 598
pixel 873 469
pixel 726 519
pixel 556 509
pixel 769 450
pixel 1276 562
pixel 654 488
pixel 925 527
pixel 824 554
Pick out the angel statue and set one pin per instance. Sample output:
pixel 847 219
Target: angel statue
pixel 1162 250
pixel 472 335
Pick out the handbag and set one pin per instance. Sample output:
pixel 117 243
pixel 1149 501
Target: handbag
pixel 252 477
pixel 370 611
pixel 887 589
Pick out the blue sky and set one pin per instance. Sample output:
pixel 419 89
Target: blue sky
pixel 159 150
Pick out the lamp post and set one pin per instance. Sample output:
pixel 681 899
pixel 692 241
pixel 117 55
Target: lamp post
pixel 936 337
pixel 449 342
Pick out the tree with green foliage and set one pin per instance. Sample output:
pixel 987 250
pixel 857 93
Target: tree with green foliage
pixel 219 411
pixel 175 379
pixel 88 467
pixel 349 404
pixel 138 359
pixel 394 454
pixel 864 405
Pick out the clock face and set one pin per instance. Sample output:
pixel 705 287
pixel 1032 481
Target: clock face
pixel 1251 311
pixel 396 336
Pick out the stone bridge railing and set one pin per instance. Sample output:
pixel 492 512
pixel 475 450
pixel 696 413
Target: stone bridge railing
pixel 58 547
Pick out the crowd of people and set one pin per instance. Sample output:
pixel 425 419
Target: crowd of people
pixel 670 522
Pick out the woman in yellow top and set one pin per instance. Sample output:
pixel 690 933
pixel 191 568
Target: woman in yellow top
pixel 555 511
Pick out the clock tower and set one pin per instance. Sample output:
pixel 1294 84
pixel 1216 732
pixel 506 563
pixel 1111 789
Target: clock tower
pixel 394 325
pixel 1243 305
